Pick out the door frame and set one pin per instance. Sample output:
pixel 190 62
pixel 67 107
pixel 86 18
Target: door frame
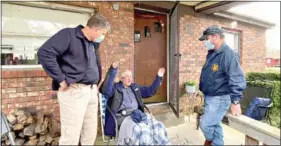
pixel 167 51
pixel 177 55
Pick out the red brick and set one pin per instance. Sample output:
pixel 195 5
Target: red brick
pixel 42 107
pixel 25 73
pixel 30 89
pixel 14 85
pixel 15 95
pixel 9 90
pixel 48 102
pixel 13 74
pixel 3 74
pixel 44 98
pixel 32 93
pixel 57 106
pixel 20 74
pixel 6 111
pixel 11 106
pixel 10 80
pixel 5 101
pixel 4 85
pixel 41 79
pixel 44 74
pixel 4 95
pixel 4 106
pixel 6 74
pixel 38 73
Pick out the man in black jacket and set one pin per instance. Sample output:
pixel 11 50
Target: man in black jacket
pixel 71 59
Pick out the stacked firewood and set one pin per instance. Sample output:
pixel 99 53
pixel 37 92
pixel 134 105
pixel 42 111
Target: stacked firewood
pixel 32 129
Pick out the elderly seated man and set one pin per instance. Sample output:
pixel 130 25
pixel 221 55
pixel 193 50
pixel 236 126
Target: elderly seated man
pixel 125 101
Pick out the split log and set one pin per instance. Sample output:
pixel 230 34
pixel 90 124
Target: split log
pixel 8 142
pixel 56 141
pixel 18 126
pixel 32 142
pixel 33 137
pixel 42 124
pixel 4 137
pixel 21 116
pixel 49 139
pixel 40 118
pixel 29 119
pixel 42 138
pixel 54 128
pixel 19 141
pixel 41 143
pixel 29 130
pixel 12 118
pixel 21 135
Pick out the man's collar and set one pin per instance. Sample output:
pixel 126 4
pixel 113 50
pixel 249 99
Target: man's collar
pixel 222 48
pixel 79 32
pixel 120 86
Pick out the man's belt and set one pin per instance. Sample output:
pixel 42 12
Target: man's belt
pixel 125 112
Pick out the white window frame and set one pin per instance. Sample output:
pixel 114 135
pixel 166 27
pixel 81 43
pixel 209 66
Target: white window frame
pixel 45 5
pixel 237 39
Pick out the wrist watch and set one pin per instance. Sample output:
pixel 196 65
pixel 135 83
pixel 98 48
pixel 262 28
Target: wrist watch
pixel 235 102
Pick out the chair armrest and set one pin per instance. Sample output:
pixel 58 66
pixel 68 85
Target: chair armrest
pixel 270 105
pixel 115 120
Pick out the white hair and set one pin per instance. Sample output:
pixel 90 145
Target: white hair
pixel 126 73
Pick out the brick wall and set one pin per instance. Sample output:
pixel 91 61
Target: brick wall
pixel 252 45
pixel 27 89
pixel 119 43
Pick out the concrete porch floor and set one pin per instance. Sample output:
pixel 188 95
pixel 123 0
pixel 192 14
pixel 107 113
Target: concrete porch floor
pixel 182 131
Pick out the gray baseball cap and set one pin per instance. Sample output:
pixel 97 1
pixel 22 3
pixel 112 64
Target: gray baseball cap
pixel 214 29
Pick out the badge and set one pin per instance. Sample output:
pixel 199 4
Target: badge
pixel 215 67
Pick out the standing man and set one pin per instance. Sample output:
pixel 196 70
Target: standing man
pixel 71 58
pixel 222 82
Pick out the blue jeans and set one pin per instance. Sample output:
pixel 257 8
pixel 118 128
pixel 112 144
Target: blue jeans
pixel 210 124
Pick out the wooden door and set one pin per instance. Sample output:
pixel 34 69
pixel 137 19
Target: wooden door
pixel 151 51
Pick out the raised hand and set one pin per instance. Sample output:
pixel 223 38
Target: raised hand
pixel 161 72
pixel 115 64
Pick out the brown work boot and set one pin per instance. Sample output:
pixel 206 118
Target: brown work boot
pixel 207 143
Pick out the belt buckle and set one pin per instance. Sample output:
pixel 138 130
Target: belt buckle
pixel 124 112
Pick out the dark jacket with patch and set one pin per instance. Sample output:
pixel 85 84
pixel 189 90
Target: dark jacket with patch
pixel 222 74
pixel 113 92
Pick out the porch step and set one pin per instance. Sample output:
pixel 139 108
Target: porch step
pixel 169 119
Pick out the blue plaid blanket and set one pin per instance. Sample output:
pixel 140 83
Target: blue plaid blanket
pixel 148 132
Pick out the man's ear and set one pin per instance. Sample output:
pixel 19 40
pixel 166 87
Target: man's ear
pixel 116 80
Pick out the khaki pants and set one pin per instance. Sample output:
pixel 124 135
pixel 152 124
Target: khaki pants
pixel 78 114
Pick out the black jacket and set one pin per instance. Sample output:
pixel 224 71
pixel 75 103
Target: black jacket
pixel 65 57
